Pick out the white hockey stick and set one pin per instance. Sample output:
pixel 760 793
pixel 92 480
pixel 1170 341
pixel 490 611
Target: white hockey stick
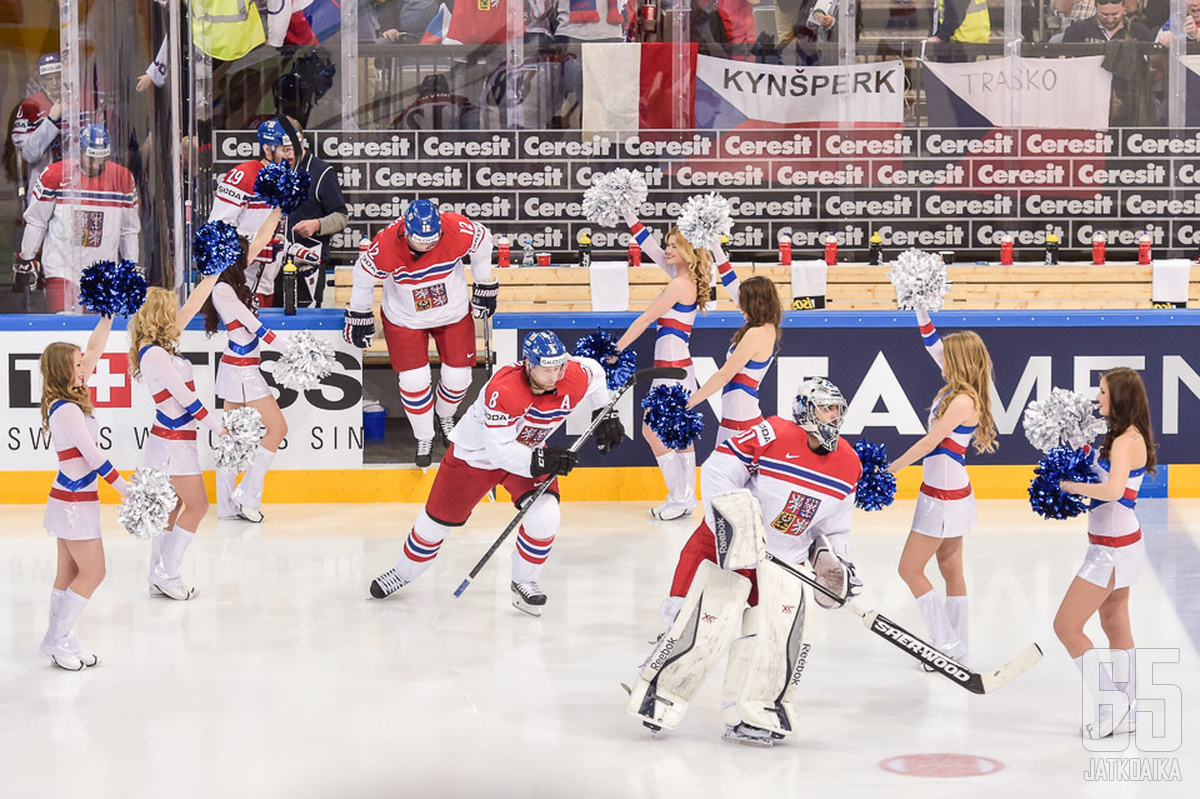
pixel 885 628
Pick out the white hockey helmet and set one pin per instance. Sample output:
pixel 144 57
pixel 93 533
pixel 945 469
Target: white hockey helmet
pixel 813 395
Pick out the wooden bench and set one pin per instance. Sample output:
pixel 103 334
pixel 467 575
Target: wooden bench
pixel 851 287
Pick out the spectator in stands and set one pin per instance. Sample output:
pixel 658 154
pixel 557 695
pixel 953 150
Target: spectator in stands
pixel 1110 22
pixel 581 21
pixel 322 214
pixel 1191 25
pixel 36 130
pixel 959 22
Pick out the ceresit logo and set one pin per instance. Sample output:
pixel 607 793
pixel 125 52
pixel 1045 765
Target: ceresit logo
pixel 110 384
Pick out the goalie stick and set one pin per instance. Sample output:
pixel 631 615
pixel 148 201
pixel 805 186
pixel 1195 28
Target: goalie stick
pixel 656 373
pixel 888 630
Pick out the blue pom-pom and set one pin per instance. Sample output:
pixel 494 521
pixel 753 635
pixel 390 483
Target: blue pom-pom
pixel 1060 463
pixel 281 186
pixel 215 247
pixel 877 487
pixel 600 346
pixel 131 284
pixel 667 415
pixel 98 290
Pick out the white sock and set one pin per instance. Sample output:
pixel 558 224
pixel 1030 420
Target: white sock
pixel 250 493
pixel 667 462
pixel 416 394
pixel 941 634
pixel 687 476
pixel 956 614
pixel 178 540
pixel 1129 687
pixel 70 607
pixel 226 483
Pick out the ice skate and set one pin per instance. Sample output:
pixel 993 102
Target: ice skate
pixel 445 424
pixel 424 456
pixel 86 658
pixel 528 598
pixel 387 584
pixel 669 511
pixel 1107 723
pixel 60 655
pixel 748 735
pixel 252 515
pixel 171 587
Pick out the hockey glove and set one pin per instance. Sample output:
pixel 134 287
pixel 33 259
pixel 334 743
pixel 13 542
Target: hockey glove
pixel 483 299
pixel 552 461
pixel 306 259
pixel 610 432
pixel 358 328
pixel 26 266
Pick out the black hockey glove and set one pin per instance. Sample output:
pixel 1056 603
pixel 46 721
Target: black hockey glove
pixel 610 432
pixel 358 328
pixel 552 461
pixel 483 299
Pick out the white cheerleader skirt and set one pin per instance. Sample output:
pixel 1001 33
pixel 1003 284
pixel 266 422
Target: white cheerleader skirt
pixel 72 521
pixel 1121 564
pixel 940 517
pixel 241 383
pixel 176 457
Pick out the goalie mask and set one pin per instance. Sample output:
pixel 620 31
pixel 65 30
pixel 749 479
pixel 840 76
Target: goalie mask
pixel 819 409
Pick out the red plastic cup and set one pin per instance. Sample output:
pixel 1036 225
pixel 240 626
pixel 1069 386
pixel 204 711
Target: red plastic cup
pixel 543 259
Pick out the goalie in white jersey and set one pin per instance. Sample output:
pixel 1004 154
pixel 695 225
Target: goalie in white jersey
pixel 803 476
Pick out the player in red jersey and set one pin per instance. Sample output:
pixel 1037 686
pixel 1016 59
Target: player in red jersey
pixel 502 441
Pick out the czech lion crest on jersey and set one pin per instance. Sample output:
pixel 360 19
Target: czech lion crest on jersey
pixel 532 436
pixel 797 514
pixel 427 298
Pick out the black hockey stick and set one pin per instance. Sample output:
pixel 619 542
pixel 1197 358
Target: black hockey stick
pixel 888 630
pixel 656 373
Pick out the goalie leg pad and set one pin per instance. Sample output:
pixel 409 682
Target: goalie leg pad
pixel 685 654
pixel 738 531
pixel 765 665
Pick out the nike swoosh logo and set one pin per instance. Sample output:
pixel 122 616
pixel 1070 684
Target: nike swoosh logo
pixel 790 456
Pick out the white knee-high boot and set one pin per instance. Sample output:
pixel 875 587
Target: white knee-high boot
pixel 1110 705
pixel 956 614
pixel 249 494
pixel 226 486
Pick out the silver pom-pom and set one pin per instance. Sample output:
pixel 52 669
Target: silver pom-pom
pixel 1064 417
pixel 612 196
pixel 246 429
pixel 920 281
pixel 705 219
pixel 148 503
pixel 309 359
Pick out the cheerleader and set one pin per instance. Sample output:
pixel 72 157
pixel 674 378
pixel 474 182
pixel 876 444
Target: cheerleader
pixel 239 383
pixel 73 509
pixel 674 310
pixel 750 356
pixel 1115 552
pixel 961 412
pixel 154 333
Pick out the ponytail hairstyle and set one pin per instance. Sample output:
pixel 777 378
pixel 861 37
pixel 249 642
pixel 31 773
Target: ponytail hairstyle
pixel 758 300
pixel 235 276
pixel 58 380
pixel 1128 407
pixel 156 323
pixel 700 264
pixel 969 371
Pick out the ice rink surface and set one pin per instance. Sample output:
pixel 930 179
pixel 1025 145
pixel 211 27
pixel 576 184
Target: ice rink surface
pixel 282 679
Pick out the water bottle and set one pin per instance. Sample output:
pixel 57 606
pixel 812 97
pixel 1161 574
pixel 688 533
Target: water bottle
pixel 585 250
pixel 289 288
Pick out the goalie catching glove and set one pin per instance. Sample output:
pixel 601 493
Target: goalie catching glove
pixel 609 432
pixel 552 461
pixel 358 328
pixel 483 299
pixel 834 572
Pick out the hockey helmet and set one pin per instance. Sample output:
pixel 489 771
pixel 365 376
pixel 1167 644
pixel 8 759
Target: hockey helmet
pixel 272 134
pixel 543 348
pixel 94 141
pixel 814 394
pixel 422 223
pixel 49 64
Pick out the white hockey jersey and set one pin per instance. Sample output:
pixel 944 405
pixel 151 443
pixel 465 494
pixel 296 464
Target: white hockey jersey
pixel 803 493
pixel 238 204
pixel 101 218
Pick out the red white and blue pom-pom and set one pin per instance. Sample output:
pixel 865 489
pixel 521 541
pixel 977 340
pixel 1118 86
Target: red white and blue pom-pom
pixel 245 430
pixel 309 360
pixel 1060 463
pixel 920 281
pixel 600 347
pixel 705 219
pixel 1065 417
pixel 215 247
pixel 667 415
pixel 148 503
pixel 281 186
pixel 612 196
pixel 876 487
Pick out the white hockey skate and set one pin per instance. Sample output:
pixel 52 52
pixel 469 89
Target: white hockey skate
pixel 528 598
pixel 62 655
pixel 171 587
pixel 387 584
pixel 749 735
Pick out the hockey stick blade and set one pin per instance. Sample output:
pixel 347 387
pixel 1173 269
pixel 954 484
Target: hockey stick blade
pixel 1011 670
